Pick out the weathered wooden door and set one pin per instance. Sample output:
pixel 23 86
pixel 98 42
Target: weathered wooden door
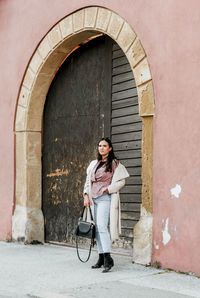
pixel 76 115
pixel 93 94
pixel 126 136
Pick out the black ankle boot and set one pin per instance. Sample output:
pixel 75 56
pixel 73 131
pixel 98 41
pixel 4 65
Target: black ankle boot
pixel 108 262
pixel 99 263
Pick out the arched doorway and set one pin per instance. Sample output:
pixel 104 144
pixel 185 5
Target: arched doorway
pixel 28 221
pixel 92 95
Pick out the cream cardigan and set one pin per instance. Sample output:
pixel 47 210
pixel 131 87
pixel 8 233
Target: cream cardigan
pixel 118 181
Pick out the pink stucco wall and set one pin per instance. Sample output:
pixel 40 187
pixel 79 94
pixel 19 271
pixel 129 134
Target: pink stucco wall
pixel 169 31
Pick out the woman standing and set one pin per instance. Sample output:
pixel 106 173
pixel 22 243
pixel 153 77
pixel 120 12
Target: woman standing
pixel 105 177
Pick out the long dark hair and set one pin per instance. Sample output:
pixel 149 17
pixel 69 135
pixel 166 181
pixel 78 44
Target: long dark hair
pixel 111 155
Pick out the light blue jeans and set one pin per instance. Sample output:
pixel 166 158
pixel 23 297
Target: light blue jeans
pixel 101 217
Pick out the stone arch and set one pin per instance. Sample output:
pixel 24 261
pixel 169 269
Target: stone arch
pixel 27 224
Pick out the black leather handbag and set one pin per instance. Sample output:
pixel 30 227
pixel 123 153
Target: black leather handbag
pixel 85 229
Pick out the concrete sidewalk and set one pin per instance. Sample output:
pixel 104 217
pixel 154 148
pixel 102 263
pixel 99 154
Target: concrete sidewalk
pixel 49 271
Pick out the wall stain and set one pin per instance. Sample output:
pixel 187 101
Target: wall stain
pixel 58 173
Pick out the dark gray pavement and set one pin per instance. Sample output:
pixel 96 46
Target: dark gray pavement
pixel 49 271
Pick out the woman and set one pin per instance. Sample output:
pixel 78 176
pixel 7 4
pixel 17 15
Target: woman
pixel 105 177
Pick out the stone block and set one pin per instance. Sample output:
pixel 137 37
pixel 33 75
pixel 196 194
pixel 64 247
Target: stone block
pixel 37 100
pixel 24 97
pixel 68 45
pixel 103 17
pixel 21 187
pixel 126 37
pixel 34 122
pixel 36 62
pixel 29 78
pixel 90 17
pixel 28 169
pixel 78 18
pixel 21 118
pixel 34 186
pixel 142 72
pixel 142 249
pixel 34 225
pixel 136 53
pixel 21 148
pixel 27 225
pixel 34 119
pixel 33 153
pixel 115 25
pixel 66 26
pixel 19 220
pixel 142 244
pixel 147 163
pixel 36 105
pixel 53 62
pixel 44 48
pixel 54 36
pixel 21 194
pixel 39 93
pixel 146 99
pixel 144 226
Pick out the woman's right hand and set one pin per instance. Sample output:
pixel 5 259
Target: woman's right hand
pixel 86 200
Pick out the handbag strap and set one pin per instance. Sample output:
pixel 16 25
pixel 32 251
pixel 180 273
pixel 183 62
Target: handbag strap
pixel 90 213
pixel 92 240
pixel 91 244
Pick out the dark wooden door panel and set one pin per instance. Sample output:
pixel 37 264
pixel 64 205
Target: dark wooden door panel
pixel 76 115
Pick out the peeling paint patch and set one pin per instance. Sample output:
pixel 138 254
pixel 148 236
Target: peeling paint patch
pixel 58 173
pixel 175 191
pixel 156 245
pixel 166 235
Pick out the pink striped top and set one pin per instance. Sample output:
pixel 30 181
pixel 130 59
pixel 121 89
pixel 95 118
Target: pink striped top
pixel 101 179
